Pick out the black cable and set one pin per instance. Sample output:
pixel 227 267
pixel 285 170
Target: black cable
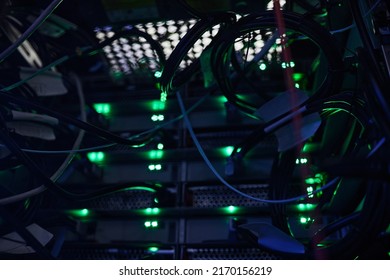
pixel 374 91
pixel 281 176
pixel 336 102
pixel 363 32
pixel 308 7
pixel 171 77
pixel 295 22
pixel 45 180
pixel 25 234
pixel 126 33
pixel 242 74
pixel 333 227
pixel 32 28
pixel 191 11
pixel 90 51
pixel 366 227
pixel 6 97
pixel 278 184
pixel 109 189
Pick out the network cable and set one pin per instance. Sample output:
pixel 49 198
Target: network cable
pixel 33 27
pixel 223 181
pixel 57 174
pixel 94 148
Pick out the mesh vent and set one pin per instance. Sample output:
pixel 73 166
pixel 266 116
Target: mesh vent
pixel 102 254
pixel 230 254
pixel 135 55
pixel 126 200
pixel 219 196
pixel 232 138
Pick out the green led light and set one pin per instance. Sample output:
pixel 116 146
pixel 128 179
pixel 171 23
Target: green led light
pixel 301 161
pixel 160 146
pixel 311 181
pixel 304 220
pixel 80 213
pixel 308 147
pixel 96 156
pixel 310 192
pixel 153 249
pixel 155 167
pixel 155 200
pixel 297 85
pixel 102 108
pixel 262 66
pixel 156 105
pixel 117 75
pixel 158 74
pixel 140 188
pixel 27 203
pixel 151 224
pixel 155 154
pixel 306 207
pixel 163 96
pixel 227 151
pixel 297 77
pixel 157 118
pixel 152 211
pixel 319 192
pixel 288 64
pixel 222 99
pixel 317 179
pixel 148 224
pixel 231 209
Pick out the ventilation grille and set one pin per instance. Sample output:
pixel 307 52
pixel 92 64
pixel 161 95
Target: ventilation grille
pixel 91 253
pixel 230 254
pixel 126 200
pixel 133 55
pixel 220 196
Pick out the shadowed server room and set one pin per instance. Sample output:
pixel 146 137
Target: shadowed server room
pixel 194 129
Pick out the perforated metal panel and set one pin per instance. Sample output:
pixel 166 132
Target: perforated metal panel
pixel 219 196
pixel 129 55
pixel 104 254
pixel 126 200
pixel 230 254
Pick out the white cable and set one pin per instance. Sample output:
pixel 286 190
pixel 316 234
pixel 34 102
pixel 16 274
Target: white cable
pixel 223 181
pixel 94 148
pixel 33 27
pixel 68 159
